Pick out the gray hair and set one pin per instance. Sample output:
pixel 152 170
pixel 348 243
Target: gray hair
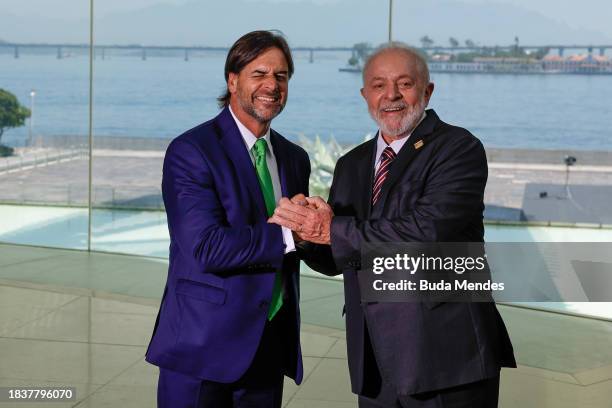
pixel 419 58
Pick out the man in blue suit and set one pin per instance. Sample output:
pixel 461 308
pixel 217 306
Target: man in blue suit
pixel 227 331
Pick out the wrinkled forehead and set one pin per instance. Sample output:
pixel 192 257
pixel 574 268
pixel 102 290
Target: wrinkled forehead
pixel 392 64
pixel 270 58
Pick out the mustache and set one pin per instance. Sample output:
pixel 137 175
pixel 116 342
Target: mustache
pixel 394 106
pixel 273 94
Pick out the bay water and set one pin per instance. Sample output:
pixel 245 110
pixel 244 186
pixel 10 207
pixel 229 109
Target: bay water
pixel 161 97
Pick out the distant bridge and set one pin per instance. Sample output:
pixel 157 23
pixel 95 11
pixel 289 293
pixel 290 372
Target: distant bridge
pixel 145 50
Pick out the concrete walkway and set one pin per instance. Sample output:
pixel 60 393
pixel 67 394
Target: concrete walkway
pixel 124 178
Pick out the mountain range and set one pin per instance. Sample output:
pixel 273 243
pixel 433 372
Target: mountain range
pixel 306 23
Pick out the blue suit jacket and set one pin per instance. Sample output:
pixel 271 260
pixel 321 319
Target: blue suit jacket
pixel 223 254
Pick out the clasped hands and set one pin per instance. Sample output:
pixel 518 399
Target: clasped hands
pixel 308 217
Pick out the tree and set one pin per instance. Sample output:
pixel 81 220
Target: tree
pixel 426 41
pixel 454 43
pixel 541 53
pixel 362 50
pixel 517 50
pixel 360 53
pixel 470 44
pixel 12 114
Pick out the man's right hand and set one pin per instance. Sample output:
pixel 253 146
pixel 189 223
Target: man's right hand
pixel 310 222
pixel 299 199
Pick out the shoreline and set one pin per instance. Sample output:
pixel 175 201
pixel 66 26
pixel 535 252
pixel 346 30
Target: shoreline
pixel 139 146
pixel 523 184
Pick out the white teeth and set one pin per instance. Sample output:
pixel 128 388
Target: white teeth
pixel 392 109
pixel 263 98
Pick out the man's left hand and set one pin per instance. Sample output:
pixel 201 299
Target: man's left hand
pixel 310 223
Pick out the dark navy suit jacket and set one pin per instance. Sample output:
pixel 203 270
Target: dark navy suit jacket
pixel 223 254
pixel 433 193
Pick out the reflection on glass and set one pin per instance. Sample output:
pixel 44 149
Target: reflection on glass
pixel 147 95
pixel 43 178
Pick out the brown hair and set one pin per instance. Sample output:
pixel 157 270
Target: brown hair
pixel 246 49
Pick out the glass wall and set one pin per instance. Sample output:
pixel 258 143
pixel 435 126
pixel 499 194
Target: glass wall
pixel 149 93
pixel 539 107
pixel 532 79
pixel 43 161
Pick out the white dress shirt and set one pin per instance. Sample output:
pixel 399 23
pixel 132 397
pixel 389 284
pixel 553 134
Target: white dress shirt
pixel 249 141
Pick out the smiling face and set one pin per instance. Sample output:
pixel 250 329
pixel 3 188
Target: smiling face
pixel 396 92
pixel 259 90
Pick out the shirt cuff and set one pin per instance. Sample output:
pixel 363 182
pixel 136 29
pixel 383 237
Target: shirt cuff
pixel 288 240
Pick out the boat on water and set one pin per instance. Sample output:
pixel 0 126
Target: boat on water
pixel 549 65
pixel 351 68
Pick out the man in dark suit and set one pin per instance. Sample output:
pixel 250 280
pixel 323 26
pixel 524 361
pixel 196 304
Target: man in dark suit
pixel 418 180
pixel 228 327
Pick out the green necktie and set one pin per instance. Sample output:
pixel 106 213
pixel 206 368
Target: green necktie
pixel 265 182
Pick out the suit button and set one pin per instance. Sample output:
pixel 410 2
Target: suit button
pixel 264 304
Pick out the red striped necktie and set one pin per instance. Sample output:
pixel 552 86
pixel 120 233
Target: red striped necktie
pixel 385 163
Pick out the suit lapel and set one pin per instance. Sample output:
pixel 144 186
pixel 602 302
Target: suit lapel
pixel 234 147
pixel 413 146
pixel 365 171
pixel 285 173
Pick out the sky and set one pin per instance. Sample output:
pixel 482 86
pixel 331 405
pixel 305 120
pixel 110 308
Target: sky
pixel 578 14
pixel 72 9
pixel 585 15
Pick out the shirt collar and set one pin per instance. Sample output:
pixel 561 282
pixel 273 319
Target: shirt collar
pixel 396 145
pixel 248 136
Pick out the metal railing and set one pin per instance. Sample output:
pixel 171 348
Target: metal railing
pixel 39 159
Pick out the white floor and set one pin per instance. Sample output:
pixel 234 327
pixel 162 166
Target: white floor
pixel 71 318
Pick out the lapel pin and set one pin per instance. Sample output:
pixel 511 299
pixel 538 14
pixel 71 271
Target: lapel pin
pixel 418 145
